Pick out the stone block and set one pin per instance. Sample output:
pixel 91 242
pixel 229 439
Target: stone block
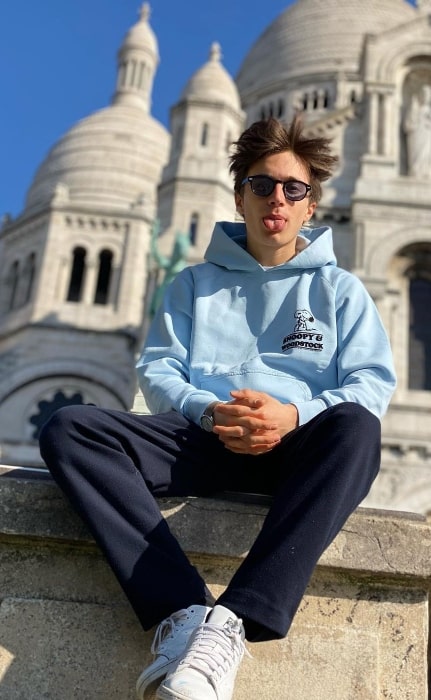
pixel 54 649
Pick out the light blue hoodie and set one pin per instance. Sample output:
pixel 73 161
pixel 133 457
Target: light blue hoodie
pixel 305 332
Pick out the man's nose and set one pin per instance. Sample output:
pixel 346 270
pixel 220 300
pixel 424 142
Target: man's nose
pixel 277 195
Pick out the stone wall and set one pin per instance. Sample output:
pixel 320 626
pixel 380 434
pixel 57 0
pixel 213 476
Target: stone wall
pixel 361 632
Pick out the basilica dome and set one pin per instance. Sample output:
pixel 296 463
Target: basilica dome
pixel 114 157
pixel 315 37
pixel 212 82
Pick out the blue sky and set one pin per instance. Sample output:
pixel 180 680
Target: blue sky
pixel 58 65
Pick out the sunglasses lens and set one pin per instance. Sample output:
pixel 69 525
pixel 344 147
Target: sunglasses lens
pixel 262 185
pixel 295 190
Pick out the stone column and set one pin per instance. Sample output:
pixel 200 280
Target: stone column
pixel 90 281
pixel 373 122
pixel 387 123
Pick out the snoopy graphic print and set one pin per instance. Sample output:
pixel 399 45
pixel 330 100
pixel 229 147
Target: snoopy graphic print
pixel 304 335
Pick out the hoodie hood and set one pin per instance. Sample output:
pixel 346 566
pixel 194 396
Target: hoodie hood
pixel 227 248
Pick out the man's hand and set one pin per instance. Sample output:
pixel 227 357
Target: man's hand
pixel 253 422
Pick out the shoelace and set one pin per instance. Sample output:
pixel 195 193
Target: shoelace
pixel 166 629
pixel 214 649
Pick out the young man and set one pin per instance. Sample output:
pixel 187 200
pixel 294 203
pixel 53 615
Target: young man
pixel 265 370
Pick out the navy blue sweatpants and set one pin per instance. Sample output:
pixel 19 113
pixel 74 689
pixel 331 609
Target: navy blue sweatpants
pixel 111 465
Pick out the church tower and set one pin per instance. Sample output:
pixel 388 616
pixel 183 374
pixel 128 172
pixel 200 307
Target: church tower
pixel 196 189
pixel 72 279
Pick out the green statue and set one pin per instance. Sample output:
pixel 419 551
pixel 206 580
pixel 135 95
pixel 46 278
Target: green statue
pixel 171 265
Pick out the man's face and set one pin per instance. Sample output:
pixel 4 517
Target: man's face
pixel 273 222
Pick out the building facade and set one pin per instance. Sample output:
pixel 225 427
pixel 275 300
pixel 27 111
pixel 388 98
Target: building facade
pixel 82 262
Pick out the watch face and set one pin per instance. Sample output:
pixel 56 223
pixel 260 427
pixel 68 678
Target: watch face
pixel 207 423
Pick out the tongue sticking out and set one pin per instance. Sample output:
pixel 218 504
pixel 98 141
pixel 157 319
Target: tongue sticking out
pixel 274 225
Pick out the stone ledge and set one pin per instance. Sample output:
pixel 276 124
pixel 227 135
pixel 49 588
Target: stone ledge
pixel 371 542
pixel 361 632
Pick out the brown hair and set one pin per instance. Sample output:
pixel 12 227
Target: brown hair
pixel 269 136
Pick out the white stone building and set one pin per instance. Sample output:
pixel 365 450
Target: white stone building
pixel 79 264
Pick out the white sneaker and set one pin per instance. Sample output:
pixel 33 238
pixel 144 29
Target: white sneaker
pixel 209 666
pixel 169 644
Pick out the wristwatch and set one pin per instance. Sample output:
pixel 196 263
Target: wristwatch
pixel 207 418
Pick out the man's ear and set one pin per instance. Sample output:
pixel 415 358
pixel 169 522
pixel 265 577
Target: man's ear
pixel 239 203
pixel 310 211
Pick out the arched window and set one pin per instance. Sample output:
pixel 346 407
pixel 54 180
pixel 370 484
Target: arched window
pixel 193 229
pixel 420 330
pixel 28 277
pixel 280 110
pixel 103 277
pixel 204 134
pixel 177 141
pixel 77 275
pixel 12 284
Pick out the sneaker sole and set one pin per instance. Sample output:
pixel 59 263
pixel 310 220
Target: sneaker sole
pixel 143 689
pixel 150 692
pixel 165 694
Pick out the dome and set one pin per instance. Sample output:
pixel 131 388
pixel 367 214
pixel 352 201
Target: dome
pixel 317 36
pixel 113 157
pixel 141 35
pixel 212 82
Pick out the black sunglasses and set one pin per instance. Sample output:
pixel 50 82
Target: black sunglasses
pixel 264 185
